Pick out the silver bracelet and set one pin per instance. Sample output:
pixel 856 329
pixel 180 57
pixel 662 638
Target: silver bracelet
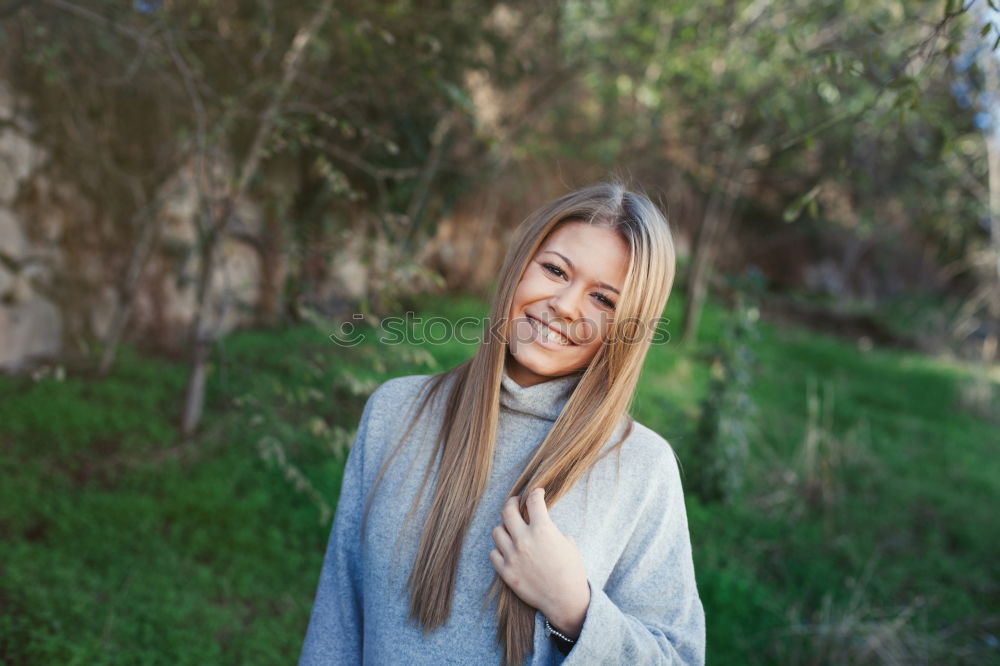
pixel 548 628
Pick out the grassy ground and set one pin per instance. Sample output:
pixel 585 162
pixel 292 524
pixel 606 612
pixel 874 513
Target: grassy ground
pixel 864 533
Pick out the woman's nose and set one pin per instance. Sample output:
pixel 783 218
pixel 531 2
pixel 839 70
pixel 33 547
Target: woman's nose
pixel 565 304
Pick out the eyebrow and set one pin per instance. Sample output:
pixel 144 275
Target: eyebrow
pixel 603 285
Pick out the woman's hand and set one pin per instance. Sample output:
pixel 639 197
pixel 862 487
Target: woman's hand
pixel 541 564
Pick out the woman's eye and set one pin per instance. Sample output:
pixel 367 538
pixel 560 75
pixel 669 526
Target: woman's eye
pixel 555 270
pixel 605 300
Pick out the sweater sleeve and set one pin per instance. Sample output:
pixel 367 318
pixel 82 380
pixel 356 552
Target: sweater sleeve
pixel 649 611
pixel 335 633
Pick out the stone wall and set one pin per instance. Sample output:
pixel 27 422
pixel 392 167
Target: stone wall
pixel 60 269
pixel 63 260
pixel 31 324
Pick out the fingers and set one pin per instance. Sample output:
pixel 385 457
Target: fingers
pixel 497 560
pixel 538 513
pixel 503 541
pixel 504 571
pixel 512 519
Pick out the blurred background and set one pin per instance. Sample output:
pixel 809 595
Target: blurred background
pixel 195 195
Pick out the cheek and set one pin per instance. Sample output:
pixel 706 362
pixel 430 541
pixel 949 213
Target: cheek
pixel 521 333
pixel 590 348
pixel 522 294
pixel 533 285
pixel 592 328
pixel 589 333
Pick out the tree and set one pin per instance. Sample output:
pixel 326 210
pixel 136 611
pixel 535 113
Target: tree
pixel 758 104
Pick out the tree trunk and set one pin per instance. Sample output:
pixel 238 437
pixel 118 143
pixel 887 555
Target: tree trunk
pixel 990 343
pixel 993 167
pixel 695 289
pixel 127 289
pixel 217 224
pixel 718 213
pixel 427 173
pixel 194 395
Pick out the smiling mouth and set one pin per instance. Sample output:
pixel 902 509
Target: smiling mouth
pixel 549 335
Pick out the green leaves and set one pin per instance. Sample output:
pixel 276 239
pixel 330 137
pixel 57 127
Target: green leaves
pixel 902 82
pixel 807 200
pixel 953 7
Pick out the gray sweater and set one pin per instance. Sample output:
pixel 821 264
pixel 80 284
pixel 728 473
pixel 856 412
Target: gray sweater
pixel 626 515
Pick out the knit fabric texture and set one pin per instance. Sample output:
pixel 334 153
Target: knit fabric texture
pixel 626 516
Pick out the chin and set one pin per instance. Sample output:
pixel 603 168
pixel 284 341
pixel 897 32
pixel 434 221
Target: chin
pixel 541 363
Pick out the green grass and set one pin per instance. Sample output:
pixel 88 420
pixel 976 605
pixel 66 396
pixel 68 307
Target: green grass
pixel 121 544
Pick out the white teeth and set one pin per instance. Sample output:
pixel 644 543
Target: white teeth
pixel 548 334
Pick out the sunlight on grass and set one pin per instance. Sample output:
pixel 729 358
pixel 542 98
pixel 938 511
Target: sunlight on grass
pixel 119 539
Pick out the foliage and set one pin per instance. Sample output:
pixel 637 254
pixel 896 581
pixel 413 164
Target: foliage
pixel 140 94
pixel 834 123
pixel 101 524
pixel 839 117
pixel 727 414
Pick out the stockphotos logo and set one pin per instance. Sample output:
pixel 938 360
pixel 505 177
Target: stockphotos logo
pixel 436 330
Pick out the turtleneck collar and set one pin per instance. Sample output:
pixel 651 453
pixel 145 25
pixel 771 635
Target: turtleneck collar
pixel 544 400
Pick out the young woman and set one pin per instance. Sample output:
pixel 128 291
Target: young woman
pixel 534 544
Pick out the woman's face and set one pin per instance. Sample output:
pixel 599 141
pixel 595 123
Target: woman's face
pixel 565 302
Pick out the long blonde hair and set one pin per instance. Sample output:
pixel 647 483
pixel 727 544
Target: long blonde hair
pixel 467 435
